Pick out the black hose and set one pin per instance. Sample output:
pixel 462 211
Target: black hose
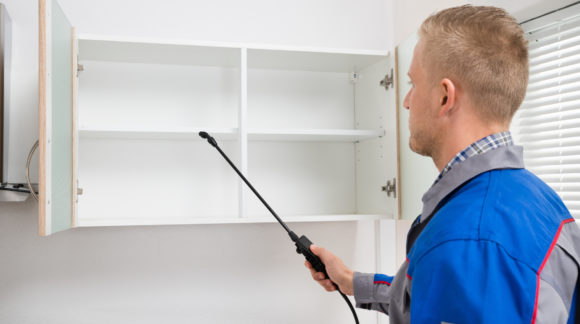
pixel 350 306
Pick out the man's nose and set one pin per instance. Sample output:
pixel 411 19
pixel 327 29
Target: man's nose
pixel 406 101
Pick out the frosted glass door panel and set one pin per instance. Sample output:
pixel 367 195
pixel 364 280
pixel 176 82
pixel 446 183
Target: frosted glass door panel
pixel 376 159
pixel 56 126
pixel 62 122
pixel 417 172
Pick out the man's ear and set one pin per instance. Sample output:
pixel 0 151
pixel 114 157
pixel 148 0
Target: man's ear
pixel 447 97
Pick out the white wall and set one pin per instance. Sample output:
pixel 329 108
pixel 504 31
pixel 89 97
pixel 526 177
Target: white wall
pixel 169 274
pixel 321 23
pixel 246 273
pixel 408 15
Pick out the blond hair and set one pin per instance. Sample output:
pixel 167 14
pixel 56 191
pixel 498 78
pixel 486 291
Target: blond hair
pixel 484 51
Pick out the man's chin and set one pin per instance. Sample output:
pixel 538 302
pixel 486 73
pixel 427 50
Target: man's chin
pixel 417 148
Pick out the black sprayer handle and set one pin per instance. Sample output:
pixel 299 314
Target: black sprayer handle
pixel 303 247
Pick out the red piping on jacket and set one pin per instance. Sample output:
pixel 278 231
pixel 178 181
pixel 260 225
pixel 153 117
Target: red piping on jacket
pixel 544 263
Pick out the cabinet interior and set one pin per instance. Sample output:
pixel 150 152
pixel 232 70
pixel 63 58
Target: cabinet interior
pixel 313 131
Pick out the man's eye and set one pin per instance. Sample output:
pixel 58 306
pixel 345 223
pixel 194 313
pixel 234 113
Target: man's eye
pixel 411 83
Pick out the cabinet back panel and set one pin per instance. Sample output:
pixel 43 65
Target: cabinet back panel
pixel 299 99
pixel 302 178
pixel 148 179
pixel 126 95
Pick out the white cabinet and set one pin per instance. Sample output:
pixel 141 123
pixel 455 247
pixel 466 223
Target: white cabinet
pixel 313 130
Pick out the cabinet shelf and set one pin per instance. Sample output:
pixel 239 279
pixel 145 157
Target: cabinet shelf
pixel 315 135
pixel 145 51
pixel 185 52
pixel 342 61
pixel 162 134
pixel 89 222
pixel 282 135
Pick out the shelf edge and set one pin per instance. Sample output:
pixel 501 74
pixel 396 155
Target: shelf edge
pixel 98 222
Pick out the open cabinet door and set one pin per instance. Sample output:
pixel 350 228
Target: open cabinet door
pixel 417 172
pixel 376 158
pixel 57 84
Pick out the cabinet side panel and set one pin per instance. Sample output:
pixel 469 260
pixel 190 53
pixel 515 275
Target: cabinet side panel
pixel 242 126
pixel 61 138
pixel 74 129
pixel 42 116
pixel 3 22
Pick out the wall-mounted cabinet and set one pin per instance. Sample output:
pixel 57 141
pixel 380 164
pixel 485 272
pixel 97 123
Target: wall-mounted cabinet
pixel 314 131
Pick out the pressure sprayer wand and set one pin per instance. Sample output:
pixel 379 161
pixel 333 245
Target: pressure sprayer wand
pixel 213 143
pixel 302 244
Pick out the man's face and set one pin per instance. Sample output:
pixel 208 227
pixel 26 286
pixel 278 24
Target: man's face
pixel 421 100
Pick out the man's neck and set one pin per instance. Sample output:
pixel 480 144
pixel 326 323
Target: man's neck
pixel 459 140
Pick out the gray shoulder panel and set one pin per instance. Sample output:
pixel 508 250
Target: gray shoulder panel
pixel 506 157
pixel 550 309
pixel 559 276
pixel 569 240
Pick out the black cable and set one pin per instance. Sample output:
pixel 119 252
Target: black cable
pixel 349 306
pixel 15 188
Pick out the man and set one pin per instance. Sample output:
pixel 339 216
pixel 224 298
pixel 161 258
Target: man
pixel 493 243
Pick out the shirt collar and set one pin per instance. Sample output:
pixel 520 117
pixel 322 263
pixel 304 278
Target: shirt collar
pixel 481 146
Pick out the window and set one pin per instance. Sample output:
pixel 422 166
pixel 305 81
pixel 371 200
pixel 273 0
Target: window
pixel 548 122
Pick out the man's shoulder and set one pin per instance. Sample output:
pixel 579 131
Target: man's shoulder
pixel 508 207
pixel 523 214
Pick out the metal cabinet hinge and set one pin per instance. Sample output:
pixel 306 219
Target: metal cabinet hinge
pixel 79 189
pixel 354 77
pixel 390 188
pixel 388 81
pixel 80 68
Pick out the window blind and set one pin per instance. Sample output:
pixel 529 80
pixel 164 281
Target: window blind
pixel 548 122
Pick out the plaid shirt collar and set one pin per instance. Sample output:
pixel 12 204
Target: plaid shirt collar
pixel 485 144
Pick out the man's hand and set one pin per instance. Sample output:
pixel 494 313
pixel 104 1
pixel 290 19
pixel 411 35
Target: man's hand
pixel 337 271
